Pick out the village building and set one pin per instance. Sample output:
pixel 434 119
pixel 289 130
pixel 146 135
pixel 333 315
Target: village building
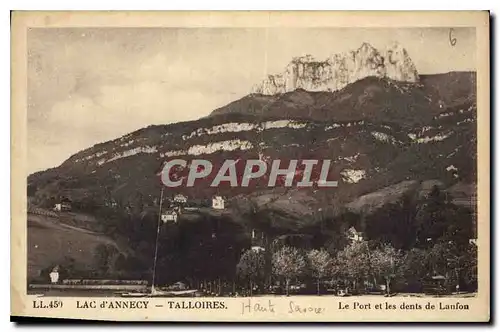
pixel 111 203
pixel 178 286
pixel 354 235
pixel 257 240
pixel 179 198
pixel 54 275
pixel 169 216
pixel 63 205
pixel 258 248
pixel 218 203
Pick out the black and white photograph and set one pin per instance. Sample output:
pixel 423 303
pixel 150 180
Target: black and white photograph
pixel 261 163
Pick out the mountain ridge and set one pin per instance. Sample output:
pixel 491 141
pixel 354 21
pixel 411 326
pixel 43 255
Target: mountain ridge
pixel 427 97
pixel 466 82
pixel 341 69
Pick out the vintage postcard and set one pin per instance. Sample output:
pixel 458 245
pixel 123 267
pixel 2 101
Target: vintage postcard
pixel 251 166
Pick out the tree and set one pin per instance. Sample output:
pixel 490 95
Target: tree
pixel 456 262
pixel 460 225
pixel 386 262
pixel 415 267
pixel 394 223
pixel 443 259
pixel 469 265
pixel 337 269
pixel 288 263
pixel 436 214
pixel 356 261
pixel 319 262
pixel 105 256
pixel 251 267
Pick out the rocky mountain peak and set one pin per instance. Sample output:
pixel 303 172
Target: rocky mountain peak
pixel 366 47
pixel 339 70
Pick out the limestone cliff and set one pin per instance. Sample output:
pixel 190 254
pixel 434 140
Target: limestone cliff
pixel 339 70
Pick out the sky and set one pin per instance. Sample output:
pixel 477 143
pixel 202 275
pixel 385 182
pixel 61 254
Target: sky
pixel 90 85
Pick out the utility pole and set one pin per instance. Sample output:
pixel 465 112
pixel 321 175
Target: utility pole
pixel 156 243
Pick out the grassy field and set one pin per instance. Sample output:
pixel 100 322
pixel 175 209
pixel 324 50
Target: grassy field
pixel 50 241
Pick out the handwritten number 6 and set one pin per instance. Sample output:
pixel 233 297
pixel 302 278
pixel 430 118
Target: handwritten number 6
pixel 453 40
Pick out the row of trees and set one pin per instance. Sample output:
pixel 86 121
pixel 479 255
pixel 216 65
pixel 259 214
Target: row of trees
pixel 363 263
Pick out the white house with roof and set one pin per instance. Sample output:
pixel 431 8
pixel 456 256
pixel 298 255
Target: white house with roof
pixel 354 235
pixel 63 205
pixel 54 275
pixel 179 198
pixel 257 240
pixel 169 216
pixel 218 202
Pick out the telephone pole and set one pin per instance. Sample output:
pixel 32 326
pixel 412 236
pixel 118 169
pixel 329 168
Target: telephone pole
pixel 156 243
